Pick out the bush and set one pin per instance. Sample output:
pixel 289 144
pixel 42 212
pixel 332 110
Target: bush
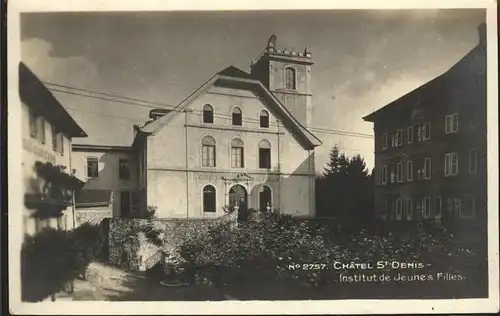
pixel 52 258
pixel 271 246
pixel 260 249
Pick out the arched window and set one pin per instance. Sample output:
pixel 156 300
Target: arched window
pixel 265 198
pixel 208 114
pixel 237 153
pixel 264 119
pixel 209 204
pixel 237 117
pixel 290 78
pixel 264 154
pixel 208 151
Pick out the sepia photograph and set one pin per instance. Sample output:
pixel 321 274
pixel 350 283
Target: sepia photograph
pixel 242 156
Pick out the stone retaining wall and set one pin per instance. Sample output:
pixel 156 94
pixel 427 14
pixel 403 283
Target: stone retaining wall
pixel 129 247
pixel 93 217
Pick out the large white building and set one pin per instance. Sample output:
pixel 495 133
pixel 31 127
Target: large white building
pixel 240 138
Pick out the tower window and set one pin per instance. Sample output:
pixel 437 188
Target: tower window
pixel 237 116
pixel 264 119
pixel 290 78
pixel 208 114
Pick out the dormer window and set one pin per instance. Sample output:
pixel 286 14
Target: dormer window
pixel 208 114
pixel 237 117
pixel 290 78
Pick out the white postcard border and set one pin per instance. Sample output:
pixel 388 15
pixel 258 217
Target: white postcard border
pixel 15 191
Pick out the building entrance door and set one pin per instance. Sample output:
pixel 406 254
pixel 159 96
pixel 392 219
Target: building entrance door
pixel 265 198
pixel 238 196
pixel 125 203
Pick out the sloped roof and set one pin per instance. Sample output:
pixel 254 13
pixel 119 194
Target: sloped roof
pixel 238 76
pixel 34 94
pixel 93 198
pixel 232 71
pixel 434 85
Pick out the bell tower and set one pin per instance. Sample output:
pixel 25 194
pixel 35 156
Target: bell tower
pixel 287 74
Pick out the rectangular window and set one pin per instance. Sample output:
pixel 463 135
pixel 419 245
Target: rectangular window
pixel 438 207
pixel 427 131
pixel 409 170
pixel 57 141
pixel 237 157
pixel 54 137
pixel 423 132
pixel 40 129
pixel 409 209
pixel 451 123
pixel 124 169
pixel 427 168
pixel 393 175
pixel 397 138
pixel 384 141
pixel 384 174
pixel 290 78
pixel 92 167
pixel 451 164
pixel 426 207
pixel 208 156
pixel 385 209
pixel 265 158
pixel 60 141
pixel 399 171
pixel 399 209
pixel 472 161
pixel 469 208
pixel 32 122
pixel 410 134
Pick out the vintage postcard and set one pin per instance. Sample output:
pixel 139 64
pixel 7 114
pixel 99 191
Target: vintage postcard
pixel 252 158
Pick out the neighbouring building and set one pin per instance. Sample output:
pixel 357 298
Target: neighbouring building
pixel 240 139
pixel 47 132
pixel 110 175
pixel 430 146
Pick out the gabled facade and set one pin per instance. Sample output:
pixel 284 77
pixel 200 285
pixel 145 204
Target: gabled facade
pixel 430 147
pixel 232 142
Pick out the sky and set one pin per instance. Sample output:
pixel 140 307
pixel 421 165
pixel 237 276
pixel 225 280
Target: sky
pixel 363 61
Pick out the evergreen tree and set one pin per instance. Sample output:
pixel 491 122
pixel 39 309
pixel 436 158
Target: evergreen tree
pixel 345 187
pixel 337 163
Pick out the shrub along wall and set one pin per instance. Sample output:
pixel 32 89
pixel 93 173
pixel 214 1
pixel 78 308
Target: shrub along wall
pixel 130 240
pixel 52 258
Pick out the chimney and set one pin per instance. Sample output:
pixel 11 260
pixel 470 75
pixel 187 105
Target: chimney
pixel 482 34
pixel 157 113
